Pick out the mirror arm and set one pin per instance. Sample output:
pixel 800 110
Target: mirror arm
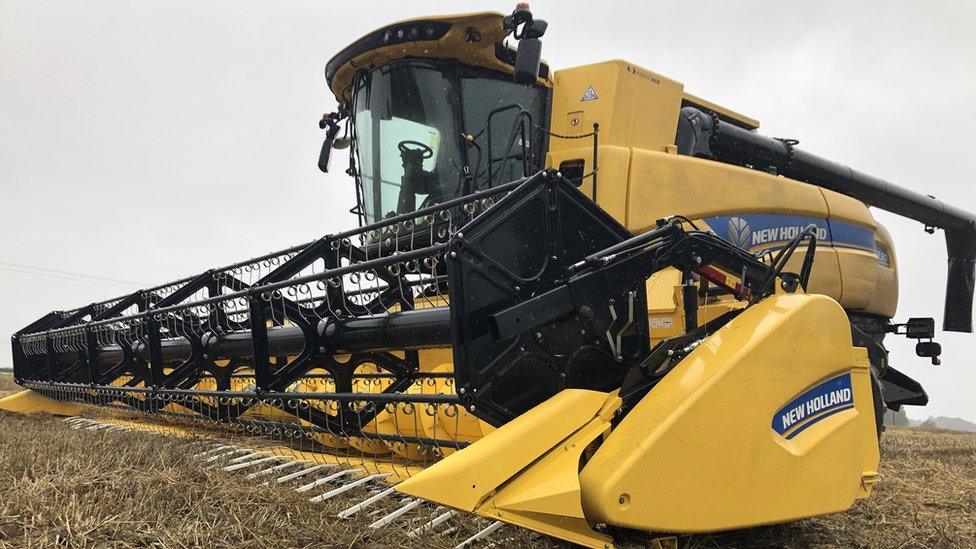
pixel 329 123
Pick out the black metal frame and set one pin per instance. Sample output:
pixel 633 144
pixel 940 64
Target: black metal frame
pixel 65 353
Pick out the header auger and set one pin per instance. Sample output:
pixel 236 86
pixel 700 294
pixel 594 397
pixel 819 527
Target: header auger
pixel 567 295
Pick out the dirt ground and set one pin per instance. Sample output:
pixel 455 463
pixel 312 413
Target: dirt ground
pixel 70 488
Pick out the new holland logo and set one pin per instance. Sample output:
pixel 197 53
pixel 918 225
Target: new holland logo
pixel 739 233
pixel 818 403
pixel 589 94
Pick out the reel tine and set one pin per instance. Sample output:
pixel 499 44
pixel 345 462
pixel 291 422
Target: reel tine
pixel 433 523
pixel 485 532
pixel 346 487
pixel 410 505
pixel 319 482
pixel 366 503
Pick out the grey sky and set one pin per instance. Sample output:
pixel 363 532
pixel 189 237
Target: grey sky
pixel 144 141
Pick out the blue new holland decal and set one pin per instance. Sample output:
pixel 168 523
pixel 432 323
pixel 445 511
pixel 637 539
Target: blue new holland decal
pixel 756 232
pixel 824 400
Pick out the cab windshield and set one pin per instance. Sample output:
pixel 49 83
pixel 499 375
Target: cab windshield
pixel 410 118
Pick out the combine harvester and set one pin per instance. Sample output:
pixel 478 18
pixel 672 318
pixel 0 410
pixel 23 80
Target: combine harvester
pixel 581 303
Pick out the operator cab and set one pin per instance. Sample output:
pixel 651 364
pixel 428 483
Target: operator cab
pixel 432 111
pixel 428 130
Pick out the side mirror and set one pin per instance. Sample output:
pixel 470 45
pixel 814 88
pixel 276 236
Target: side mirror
pixel 330 136
pixel 929 349
pixel 527 60
pixel 529 54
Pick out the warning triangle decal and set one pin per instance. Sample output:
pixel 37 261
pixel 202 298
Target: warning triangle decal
pixel 589 94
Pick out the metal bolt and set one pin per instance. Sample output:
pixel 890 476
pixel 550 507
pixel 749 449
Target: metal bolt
pixel 471 408
pixel 322 350
pixel 453 254
pixel 461 391
pixel 460 235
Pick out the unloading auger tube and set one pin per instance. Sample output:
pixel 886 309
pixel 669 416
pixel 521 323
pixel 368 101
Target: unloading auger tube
pixel 704 134
pixel 505 335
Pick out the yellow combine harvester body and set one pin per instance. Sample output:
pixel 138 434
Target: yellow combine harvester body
pixel 763 401
pixel 706 431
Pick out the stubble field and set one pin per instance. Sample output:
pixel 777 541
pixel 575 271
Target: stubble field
pixel 77 488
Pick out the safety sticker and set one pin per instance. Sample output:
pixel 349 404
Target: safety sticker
pixel 826 399
pixel 660 322
pixel 589 94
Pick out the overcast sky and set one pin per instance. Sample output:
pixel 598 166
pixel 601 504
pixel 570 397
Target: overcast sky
pixel 145 141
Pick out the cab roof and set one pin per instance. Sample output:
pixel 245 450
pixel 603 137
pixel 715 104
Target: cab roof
pixel 476 39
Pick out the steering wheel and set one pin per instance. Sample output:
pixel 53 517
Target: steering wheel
pixel 415 146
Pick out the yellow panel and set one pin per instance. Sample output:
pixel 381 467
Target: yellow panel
pixel 885 299
pixel 525 473
pixel 30 402
pixel 622 90
pixel 859 272
pixel 452 45
pixel 847 209
pixel 825 278
pixel 614 172
pixel 699 453
pixel 464 478
pixel 741 119
pixel 664 184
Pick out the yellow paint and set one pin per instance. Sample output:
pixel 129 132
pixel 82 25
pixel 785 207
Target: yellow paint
pixel 452 46
pixel 30 402
pixel 723 113
pixel 620 91
pixel 537 485
pixel 641 180
pixel 702 441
